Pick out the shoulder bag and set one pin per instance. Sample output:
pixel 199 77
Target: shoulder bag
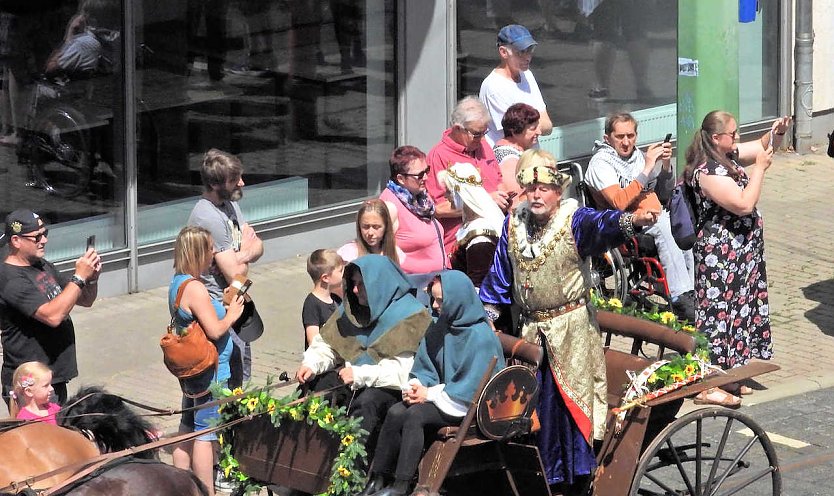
pixel 189 353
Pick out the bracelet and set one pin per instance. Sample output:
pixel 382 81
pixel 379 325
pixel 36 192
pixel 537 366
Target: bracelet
pixel 492 312
pixel 78 281
pixel 627 224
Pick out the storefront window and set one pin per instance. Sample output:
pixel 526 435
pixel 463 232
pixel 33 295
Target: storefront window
pixel 592 58
pixel 758 56
pixel 303 91
pixel 60 117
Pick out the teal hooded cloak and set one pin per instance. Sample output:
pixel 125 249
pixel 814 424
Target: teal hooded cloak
pixel 393 323
pixel 458 347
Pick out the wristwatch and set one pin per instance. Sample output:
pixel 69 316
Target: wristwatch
pixel 78 281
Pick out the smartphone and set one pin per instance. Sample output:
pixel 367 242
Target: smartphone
pixel 244 287
pixel 91 242
pixel 668 138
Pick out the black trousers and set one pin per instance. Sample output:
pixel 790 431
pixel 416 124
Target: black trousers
pixel 372 405
pixel 403 436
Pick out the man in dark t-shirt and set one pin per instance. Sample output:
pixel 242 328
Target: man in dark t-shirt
pixel 35 302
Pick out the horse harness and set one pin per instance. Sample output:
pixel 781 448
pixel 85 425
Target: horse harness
pixel 87 467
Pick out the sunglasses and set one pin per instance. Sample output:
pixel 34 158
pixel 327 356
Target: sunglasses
pixel 36 237
pixel 420 175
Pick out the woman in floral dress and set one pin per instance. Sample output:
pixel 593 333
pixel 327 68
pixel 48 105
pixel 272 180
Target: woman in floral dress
pixel 730 277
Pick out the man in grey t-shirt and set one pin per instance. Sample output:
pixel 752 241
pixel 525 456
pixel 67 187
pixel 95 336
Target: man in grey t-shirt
pixel 235 243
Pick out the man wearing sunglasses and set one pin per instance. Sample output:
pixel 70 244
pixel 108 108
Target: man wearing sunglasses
pixel 37 300
pixel 463 142
pixel 512 81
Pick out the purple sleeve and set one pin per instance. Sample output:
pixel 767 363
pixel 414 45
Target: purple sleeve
pixel 497 286
pixel 595 231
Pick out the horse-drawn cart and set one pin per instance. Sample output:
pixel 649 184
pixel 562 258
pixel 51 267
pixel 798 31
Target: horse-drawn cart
pixel 647 451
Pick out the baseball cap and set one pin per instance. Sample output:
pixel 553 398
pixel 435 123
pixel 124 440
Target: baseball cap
pixel 20 221
pixel 516 36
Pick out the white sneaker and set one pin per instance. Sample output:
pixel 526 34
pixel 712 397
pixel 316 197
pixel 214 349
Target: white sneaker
pixel 222 484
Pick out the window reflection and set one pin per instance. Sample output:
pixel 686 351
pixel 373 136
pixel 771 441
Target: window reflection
pixel 592 58
pixel 59 101
pixel 303 91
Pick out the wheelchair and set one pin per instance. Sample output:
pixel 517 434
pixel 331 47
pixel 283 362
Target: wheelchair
pixel 631 272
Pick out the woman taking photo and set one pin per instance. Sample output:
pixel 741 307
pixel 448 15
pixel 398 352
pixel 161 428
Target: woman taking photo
pixel 418 233
pixel 192 256
pixel 374 234
pixel 730 276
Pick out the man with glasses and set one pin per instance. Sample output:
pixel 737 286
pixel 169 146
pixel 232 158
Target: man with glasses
pixel 512 81
pixel 37 300
pixel 463 142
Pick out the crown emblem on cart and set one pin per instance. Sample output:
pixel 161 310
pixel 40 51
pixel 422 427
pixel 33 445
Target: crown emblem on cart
pixel 508 404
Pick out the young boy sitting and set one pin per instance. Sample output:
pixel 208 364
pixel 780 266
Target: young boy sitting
pixel 325 268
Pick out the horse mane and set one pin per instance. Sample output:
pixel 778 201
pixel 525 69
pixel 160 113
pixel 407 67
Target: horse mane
pixel 113 425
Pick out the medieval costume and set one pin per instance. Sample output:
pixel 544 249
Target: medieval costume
pixel 540 267
pixel 377 341
pixel 450 363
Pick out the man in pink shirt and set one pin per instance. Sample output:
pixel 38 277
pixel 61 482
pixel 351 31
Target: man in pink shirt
pixel 463 142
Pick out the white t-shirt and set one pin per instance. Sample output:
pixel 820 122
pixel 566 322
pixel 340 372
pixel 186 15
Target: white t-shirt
pixel 498 93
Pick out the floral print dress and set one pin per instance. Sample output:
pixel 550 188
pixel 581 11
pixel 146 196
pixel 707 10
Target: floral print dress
pixel 730 279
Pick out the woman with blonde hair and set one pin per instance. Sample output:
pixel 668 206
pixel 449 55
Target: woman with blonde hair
pixel 374 234
pixel 193 255
pixel 482 220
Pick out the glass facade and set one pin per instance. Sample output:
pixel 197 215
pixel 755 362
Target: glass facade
pixel 595 57
pixel 303 91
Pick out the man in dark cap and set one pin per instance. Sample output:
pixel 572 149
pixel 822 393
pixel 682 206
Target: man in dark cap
pixel 37 300
pixel 512 81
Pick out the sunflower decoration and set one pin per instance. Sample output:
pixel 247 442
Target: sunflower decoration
pixel 347 476
pixel 666 318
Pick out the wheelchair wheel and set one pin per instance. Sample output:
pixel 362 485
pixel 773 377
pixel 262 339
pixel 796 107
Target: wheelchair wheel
pixel 608 275
pixel 61 161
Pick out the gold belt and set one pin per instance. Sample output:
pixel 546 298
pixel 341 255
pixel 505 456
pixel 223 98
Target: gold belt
pixel 543 315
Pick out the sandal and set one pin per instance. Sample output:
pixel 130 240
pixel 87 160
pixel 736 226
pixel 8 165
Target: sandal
pixel 745 390
pixel 716 396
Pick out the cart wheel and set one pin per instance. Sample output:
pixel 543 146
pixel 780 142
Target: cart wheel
pixel 608 275
pixel 62 154
pixel 709 451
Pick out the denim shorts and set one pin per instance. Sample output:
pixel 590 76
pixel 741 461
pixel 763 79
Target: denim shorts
pixel 197 420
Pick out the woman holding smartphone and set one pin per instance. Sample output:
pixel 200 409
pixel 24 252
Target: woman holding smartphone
pixel 193 255
pixel 730 278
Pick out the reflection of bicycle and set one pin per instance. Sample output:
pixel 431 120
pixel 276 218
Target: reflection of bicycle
pixel 65 148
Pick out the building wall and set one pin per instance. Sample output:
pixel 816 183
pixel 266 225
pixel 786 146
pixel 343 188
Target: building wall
pixel 823 55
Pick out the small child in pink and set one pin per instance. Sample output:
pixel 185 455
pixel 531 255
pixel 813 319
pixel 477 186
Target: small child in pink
pixel 32 390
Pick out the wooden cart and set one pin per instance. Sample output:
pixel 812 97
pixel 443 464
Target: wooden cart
pixel 709 451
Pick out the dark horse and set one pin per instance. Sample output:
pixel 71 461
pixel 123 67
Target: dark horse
pixel 38 448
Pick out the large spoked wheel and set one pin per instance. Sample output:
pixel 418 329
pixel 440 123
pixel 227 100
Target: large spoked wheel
pixel 608 275
pixel 711 451
pixel 61 161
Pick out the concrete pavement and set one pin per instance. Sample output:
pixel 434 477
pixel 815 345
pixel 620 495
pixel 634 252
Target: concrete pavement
pixel 118 337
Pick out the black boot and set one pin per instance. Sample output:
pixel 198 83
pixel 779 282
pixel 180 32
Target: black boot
pixel 375 483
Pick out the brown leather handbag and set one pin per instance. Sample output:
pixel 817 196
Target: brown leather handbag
pixel 189 353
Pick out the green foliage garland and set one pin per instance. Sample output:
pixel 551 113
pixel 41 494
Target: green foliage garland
pixel 346 478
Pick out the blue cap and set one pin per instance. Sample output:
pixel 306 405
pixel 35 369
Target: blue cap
pixel 516 36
